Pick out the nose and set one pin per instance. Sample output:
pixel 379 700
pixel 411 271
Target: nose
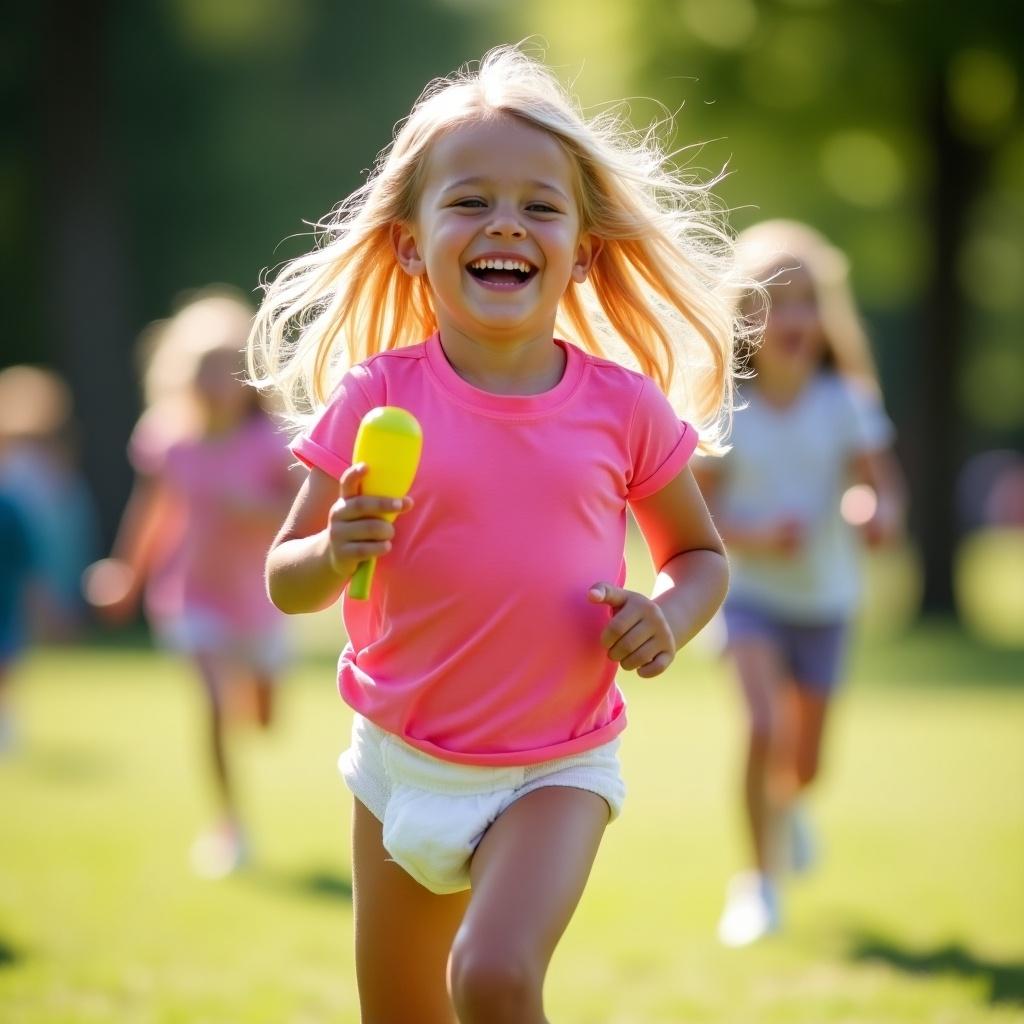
pixel 505 223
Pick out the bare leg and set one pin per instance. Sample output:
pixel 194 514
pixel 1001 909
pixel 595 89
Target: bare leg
pixel 811 716
pixel 769 737
pixel 215 676
pixel 403 935
pixel 528 875
pixel 263 697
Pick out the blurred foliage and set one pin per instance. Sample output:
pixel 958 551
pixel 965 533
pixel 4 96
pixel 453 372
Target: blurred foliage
pixel 180 142
pixel 820 110
pixel 990 585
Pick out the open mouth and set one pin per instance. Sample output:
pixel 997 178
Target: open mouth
pixel 501 273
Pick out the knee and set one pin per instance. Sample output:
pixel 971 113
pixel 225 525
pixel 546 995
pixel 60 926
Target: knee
pixel 491 982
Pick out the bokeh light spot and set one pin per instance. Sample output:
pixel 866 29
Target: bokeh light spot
pixel 989 584
pixel 724 24
pixel 862 168
pixel 982 91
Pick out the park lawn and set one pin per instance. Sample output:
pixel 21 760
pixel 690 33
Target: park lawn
pixel 916 916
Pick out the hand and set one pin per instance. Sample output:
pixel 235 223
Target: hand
pixel 785 537
pixel 112 586
pixel 356 529
pixel 637 635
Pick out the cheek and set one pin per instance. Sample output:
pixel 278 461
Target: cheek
pixel 447 242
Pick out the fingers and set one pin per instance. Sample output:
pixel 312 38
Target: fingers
pixel 352 480
pixel 360 525
pixel 605 593
pixel 353 504
pixel 656 666
pixel 637 635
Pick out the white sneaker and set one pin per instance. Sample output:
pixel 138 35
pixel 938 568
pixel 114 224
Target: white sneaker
pixel 802 849
pixel 219 852
pixel 751 910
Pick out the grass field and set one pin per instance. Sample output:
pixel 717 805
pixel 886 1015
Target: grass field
pixel 916 916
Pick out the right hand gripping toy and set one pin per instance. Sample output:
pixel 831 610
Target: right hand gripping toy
pixel 389 442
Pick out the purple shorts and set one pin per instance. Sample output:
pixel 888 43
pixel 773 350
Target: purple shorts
pixel 811 652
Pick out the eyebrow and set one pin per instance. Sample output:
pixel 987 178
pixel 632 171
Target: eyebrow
pixel 535 183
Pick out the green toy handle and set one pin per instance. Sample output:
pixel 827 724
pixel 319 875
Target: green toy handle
pixel 359 585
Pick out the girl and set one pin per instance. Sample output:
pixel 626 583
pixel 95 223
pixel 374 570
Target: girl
pixel 481 668
pixel 812 421
pixel 212 484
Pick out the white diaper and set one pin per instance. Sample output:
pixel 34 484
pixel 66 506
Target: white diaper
pixel 434 812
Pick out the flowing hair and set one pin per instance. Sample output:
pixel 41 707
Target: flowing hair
pixel 766 251
pixel 171 352
pixel 658 298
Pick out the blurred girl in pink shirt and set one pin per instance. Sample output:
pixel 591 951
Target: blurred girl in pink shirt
pixel 212 483
pixel 484 750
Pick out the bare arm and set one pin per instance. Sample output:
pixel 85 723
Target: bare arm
pixel 881 472
pixel 113 585
pixel 644 633
pixel 324 538
pixel 693 573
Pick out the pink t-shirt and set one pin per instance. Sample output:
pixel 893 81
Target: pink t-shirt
pixel 478 644
pixel 213 558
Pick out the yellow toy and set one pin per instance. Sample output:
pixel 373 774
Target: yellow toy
pixel 389 442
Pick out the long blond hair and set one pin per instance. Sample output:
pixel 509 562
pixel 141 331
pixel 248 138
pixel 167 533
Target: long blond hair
pixel 767 250
pixel 171 352
pixel 658 296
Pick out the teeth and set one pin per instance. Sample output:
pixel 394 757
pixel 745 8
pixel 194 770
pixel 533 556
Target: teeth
pixel 492 264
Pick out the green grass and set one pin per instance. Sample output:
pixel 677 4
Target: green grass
pixel 916 916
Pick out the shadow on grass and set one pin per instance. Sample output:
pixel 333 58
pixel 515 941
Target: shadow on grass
pixel 9 956
pixel 325 885
pixel 1005 981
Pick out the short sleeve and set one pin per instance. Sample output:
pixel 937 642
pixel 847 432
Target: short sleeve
pixel 327 445
pixel 869 427
pixel 660 444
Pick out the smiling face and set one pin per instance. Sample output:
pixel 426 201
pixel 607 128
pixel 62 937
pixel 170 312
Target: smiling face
pixel 497 232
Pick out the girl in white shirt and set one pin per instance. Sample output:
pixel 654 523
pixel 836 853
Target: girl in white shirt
pixel 812 425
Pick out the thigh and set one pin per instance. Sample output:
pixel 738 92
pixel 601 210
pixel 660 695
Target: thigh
pixel 403 935
pixel 762 675
pixel 529 873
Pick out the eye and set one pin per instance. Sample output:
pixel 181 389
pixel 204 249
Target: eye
pixel 470 203
pixel 541 208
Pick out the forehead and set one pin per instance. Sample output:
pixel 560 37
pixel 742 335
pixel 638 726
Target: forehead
pixel 498 151
pixel 790 275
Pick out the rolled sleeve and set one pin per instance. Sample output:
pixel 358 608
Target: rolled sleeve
pixel 660 443
pixel 328 444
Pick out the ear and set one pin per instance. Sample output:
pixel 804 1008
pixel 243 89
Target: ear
pixel 407 252
pixel 587 250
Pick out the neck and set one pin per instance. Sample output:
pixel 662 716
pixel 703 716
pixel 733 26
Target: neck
pixel 220 421
pixel 782 388
pixel 516 366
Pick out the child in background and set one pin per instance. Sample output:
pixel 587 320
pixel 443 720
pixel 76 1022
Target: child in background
pixel 482 667
pixel 212 484
pixel 38 470
pixel 19 570
pixel 812 425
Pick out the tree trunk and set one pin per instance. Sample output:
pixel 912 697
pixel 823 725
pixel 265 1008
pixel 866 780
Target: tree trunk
pixel 83 252
pixel 937 441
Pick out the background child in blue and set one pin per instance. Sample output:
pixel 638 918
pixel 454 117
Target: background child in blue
pixel 19 564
